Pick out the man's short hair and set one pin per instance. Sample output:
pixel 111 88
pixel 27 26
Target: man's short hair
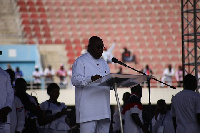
pixel 51 87
pixel 20 81
pixel 161 102
pixel 94 39
pixel 136 88
pixel 190 82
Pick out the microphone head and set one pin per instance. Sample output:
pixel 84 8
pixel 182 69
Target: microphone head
pixel 115 60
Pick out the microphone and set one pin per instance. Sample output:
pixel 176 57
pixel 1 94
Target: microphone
pixel 115 60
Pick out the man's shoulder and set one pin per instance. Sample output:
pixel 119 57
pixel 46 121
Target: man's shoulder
pixel 101 59
pixel 45 102
pixel 186 93
pixel 3 73
pixel 179 94
pixel 82 57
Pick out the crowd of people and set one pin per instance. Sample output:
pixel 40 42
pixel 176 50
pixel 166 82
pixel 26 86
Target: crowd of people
pixel 48 74
pixel 181 116
pixel 21 112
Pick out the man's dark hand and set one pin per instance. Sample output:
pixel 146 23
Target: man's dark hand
pixel 64 111
pixel 61 113
pixel 93 78
pixel 3 114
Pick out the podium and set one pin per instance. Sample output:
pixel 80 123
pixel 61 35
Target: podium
pixel 122 80
pixel 115 81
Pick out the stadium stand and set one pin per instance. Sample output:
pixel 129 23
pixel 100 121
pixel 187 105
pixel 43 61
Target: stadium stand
pixel 136 24
pixel 10 32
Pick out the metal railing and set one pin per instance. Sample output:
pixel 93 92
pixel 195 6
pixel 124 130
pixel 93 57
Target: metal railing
pixel 31 85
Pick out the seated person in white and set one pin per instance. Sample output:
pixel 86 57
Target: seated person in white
pixel 37 74
pixel 55 111
pixel 49 73
pixel 168 73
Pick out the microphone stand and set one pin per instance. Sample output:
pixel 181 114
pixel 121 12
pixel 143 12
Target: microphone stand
pixel 118 105
pixel 148 82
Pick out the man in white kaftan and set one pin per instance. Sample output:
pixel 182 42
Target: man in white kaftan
pixel 92 103
pixel 6 101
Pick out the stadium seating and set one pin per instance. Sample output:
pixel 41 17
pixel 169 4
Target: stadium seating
pixel 138 24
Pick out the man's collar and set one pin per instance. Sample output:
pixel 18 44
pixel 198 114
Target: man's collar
pixel 91 57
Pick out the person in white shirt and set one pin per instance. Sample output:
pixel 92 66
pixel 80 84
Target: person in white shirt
pixel 17 115
pixel 168 73
pixel 49 73
pixel 6 101
pixel 116 117
pixel 37 74
pixel 186 107
pixel 132 112
pixel 107 53
pixel 56 111
pixel 31 106
pixel 62 74
pixel 179 76
pixel 162 120
pixel 92 103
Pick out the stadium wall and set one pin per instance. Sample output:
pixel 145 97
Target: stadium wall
pixel 23 56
